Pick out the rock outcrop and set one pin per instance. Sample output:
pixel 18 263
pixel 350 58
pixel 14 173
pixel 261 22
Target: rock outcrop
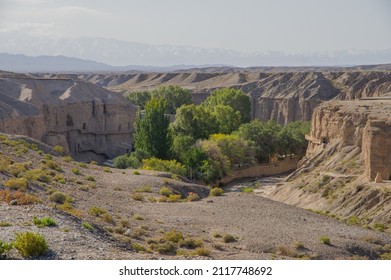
pixel 291 95
pixel 89 122
pixel 349 145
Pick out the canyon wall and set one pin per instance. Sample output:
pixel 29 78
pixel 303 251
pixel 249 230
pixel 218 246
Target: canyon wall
pixel 89 122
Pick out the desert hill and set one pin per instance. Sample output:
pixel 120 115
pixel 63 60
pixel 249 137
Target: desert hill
pixel 282 96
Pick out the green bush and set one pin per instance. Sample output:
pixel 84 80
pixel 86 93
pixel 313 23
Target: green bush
pixel 58 197
pixel 325 240
pixel 30 244
pixel 247 190
pixel 164 165
pixel 136 172
pixel 216 191
pixel 96 211
pixel 44 222
pixel 173 236
pixel 137 196
pixel 192 197
pixel 228 238
pixel 165 191
pixel 76 171
pixel 4 248
pixel 90 178
pixel 19 184
pixel 87 226
pixel 58 149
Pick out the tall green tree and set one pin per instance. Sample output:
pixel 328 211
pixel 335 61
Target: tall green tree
pixel 195 121
pixel 152 133
pixel 139 98
pixel 236 99
pixel 175 96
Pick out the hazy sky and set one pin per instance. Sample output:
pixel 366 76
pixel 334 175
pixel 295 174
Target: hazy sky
pixel 244 25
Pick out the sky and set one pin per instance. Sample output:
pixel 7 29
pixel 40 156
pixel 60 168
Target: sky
pixel 299 26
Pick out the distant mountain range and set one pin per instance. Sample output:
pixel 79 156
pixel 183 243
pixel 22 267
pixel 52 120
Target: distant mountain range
pixel 116 52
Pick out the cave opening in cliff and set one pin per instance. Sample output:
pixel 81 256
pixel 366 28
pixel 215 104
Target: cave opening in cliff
pixel 69 121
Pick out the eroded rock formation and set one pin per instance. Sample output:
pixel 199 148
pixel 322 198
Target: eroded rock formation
pixel 90 122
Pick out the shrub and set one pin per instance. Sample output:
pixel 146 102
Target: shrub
pixel 228 238
pixel 93 162
pixel 107 169
pixel 87 226
pixel 164 165
pixel 4 248
pixel 299 245
pixel 190 243
pixel 166 248
pixel 146 189
pixel 21 198
pixel 325 240
pixel 138 247
pixel 96 211
pixel 76 171
pixel 90 178
pixel 44 222
pixel 137 196
pixel 5 224
pixel 53 165
pixel 192 197
pixel 30 244
pixel 216 192
pixel 19 184
pixel 174 197
pixel 67 158
pixel 165 191
pixel 58 149
pixel 247 190
pixel 173 236
pixel 108 218
pixel 138 217
pixel 59 178
pixel 202 251
pixel 58 197
pixel 136 172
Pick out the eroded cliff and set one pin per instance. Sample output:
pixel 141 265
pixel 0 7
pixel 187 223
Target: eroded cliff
pixel 89 122
pixel 349 144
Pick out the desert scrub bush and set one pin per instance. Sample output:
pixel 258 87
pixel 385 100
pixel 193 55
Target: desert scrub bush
pixel 299 245
pixel 58 197
pixel 216 191
pixel 30 244
pixel 107 169
pixel 379 227
pixel 136 172
pixel 165 191
pixel 202 251
pixel 385 256
pixel 192 197
pixel 21 197
pixel 87 226
pixel 67 207
pixel 76 171
pixel 37 175
pixel 82 164
pixel 59 179
pixel 84 188
pixel 325 240
pixel 137 217
pixel 90 178
pixel 166 248
pixel 138 247
pixel 190 243
pixel 137 196
pixel 16 168
pixel 285 251
pixel 44 222
pixel 58 149
pixel 247 190
pixel 228 238
pixel 51 164
pixel 5 224
pixel 145 189
pixel 68 159
pixel 124 223
pixel 137 233
pixel 171 166
pixel 93 162
pixel 18 184
pixel 4 248
pixel 108 218
pixel 173 236
pixel 217 235
pixel 96 211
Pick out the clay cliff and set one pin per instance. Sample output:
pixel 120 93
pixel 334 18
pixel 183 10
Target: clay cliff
pixel 89 122
pixel 283 96
pixel 349 144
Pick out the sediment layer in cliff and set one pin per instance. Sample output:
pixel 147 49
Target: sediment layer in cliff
pixel 89 122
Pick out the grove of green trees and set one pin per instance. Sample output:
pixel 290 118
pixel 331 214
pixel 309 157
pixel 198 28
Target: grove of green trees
pixel 205 141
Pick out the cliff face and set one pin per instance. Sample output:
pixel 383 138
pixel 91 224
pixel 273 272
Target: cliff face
pixel 90 122
pixel 283 96
pixel 349 144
